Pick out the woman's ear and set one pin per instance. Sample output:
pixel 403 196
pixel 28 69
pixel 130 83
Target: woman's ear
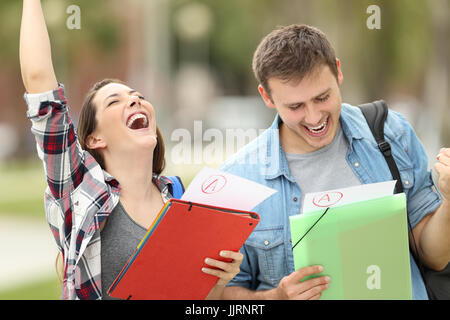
pixel 95 142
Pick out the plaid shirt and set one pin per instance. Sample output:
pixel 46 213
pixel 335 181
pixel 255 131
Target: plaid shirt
pixel 80 195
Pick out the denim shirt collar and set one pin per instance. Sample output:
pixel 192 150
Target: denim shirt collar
pixel 276 158
pixel 275 153
pixel 350 120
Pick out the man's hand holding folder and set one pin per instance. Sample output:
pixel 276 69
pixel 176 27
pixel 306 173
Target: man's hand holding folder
pixel 295 287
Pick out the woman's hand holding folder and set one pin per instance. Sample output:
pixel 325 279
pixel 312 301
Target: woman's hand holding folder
pixel 225 271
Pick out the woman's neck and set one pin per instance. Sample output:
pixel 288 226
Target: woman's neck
pixel 134 174
pixel 139 195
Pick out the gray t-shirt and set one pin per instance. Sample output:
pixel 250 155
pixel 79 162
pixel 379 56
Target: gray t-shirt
pixel 120 237
pixel 324 169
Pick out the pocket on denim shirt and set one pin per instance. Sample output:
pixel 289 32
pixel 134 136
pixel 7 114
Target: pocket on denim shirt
pixel 268 248
pixel 407 176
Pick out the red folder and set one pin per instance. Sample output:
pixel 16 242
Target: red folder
pixel 168 262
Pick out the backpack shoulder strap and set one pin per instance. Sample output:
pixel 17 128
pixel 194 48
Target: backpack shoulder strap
pixel 177 186
pixel 376 113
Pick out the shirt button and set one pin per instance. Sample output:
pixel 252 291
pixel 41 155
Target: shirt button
pixel 406 182
pixel 295 199
pixel 266 243
pixel 357 164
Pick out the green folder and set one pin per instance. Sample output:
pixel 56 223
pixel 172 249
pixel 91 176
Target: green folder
pixel 363 247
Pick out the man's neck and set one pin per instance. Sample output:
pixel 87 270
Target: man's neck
pixel 292 142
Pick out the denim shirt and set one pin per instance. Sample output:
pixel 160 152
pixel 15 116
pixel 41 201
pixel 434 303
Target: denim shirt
pixel 268 251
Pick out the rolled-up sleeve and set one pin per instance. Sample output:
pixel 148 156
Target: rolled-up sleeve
pixel 56 140
pixel 39 103
pixel 423 198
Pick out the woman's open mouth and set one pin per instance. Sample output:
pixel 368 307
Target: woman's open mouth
pixel 137 121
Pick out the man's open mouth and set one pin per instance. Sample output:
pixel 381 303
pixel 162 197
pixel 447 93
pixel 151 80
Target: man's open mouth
pixel 319 129
pixel 137 121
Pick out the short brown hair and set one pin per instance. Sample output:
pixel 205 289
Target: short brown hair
pixel 87 124
pixel 292 52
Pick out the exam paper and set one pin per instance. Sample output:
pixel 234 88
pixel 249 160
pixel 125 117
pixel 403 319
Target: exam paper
pixel 221 189
pixel 339 197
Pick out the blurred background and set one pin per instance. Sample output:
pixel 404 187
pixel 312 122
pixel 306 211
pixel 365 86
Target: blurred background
pixel 192 60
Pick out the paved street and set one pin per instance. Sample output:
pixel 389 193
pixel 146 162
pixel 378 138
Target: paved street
pixel 27 251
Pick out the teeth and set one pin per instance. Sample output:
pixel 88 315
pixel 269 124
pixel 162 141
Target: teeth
pixel 135 117
pixel 320 128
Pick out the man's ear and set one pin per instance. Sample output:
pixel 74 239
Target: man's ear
pixel 95 142
pixel 340 76
pixel 266 97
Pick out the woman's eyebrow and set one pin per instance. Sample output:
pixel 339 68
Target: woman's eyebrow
pixel 110 96
pixel 117 95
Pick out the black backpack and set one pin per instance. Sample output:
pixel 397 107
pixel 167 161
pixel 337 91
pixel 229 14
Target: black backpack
pixel 436 282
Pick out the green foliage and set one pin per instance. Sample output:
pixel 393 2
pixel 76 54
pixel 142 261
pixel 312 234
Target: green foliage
pixel 405 38
pixel 397 53
pixel 100 30
pixel 10 10
pixel 47 289
pixel 22 188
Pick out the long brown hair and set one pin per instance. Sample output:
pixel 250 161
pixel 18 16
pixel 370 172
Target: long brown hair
pixel 87 124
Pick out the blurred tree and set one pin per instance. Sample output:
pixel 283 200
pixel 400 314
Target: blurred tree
pixel 238 26
pixel 98 32
pixel 77 54
pixel 397 59
pixel 394 57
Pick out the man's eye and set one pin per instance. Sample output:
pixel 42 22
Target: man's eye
pixel 323 99
pixel 142 97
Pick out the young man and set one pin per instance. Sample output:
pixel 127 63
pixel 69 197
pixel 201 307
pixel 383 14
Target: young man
pixel 317 143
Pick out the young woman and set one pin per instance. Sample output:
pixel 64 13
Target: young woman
pixel 104 185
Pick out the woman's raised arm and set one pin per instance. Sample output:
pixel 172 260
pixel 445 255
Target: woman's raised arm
pixel 35 51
